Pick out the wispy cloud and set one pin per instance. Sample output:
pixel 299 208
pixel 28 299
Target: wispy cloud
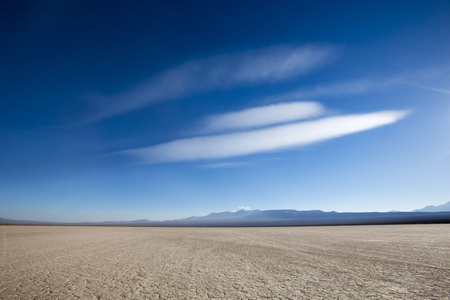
pixel 427 79
pixel 345 88
pixel 223 165
pixel 264 115
pixel 438 158
pixel 264 140
pixel 433 79
pixel 425 87
pixel 265 65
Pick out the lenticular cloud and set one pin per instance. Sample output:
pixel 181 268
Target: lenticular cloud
pixel 275 138
pixel 264 115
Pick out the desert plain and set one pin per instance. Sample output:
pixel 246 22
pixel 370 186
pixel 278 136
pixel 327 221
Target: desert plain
pixel 329 262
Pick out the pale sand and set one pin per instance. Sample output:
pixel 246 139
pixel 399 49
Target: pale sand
pixel 359 262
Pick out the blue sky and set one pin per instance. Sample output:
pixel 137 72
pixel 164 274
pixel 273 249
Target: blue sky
pixel 165 109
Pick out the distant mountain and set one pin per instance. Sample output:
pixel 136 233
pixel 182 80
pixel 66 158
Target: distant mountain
pixel 276 218
pixel 259 216
pixel 21 222
pixel 105 223
pixel 134 221
pixel 310 217
pixel 432 208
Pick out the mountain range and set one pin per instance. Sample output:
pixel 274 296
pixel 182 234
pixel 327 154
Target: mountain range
pixel 432 208
pixel 428 214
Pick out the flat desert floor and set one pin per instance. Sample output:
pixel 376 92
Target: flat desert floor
pixel 342 262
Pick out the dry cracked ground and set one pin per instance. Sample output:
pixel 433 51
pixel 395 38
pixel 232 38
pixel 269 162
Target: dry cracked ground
pixel 342 262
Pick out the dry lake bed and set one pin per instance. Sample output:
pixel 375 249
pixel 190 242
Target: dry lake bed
pixel 333 262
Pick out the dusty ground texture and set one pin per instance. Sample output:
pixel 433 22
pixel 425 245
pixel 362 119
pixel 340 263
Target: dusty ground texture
pixel 354 262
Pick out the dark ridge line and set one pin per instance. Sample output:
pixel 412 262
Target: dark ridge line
pixel 269 218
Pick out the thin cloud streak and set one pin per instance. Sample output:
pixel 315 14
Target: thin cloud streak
pixel 264 140
pixel 223 165
pixel 438 158
pixel 428 88
pixel 426 79
pixel 361 86
pixel 264 115
pixel 350 87
pixel 267 65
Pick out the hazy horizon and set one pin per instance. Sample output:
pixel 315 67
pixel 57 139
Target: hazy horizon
pixel 438 207
pixel 165 110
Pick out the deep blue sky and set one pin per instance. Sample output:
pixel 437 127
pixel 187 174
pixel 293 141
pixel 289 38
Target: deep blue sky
pixel 124 110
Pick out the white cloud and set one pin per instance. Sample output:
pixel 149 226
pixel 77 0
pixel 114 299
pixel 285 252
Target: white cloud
pixel 265 65
pixel 264 140
pixel 264 115
pixel 244 207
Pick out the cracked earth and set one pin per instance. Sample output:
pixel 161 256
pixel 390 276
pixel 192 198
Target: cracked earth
pixel 342 262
